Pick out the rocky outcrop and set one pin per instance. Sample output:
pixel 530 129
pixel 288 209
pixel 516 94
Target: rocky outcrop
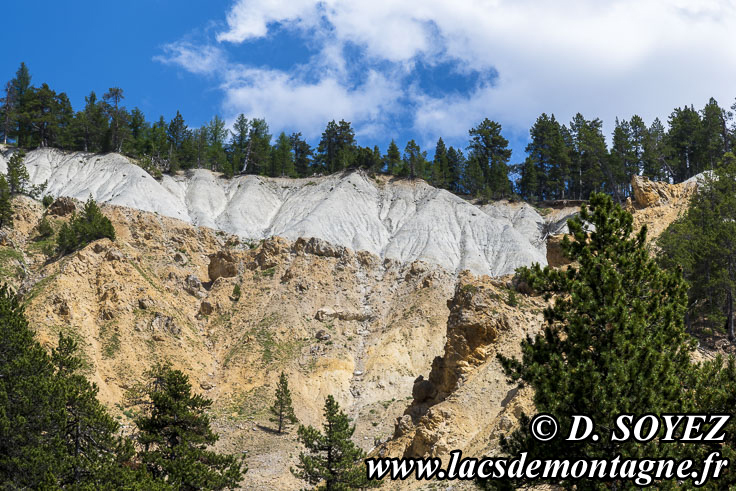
pixel 650 193
pixel 164 324
pixel 326 313
pixel 222 265
pixel 270 252
pixel 472 326
pixel 467 397
pixel 657 204
pixel 318 247
pixel 62 206
pixel 193 286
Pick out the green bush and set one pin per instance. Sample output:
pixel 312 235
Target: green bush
pixel 236 292
pixel 45 229
pixel 82 229
pixel 47 200
pixel 512 301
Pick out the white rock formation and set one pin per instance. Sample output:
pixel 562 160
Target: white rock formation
pixel 398 219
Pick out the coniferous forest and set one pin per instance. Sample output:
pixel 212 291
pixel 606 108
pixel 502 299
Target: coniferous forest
pixel 563 160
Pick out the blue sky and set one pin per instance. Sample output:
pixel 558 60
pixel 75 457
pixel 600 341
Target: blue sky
pixel 412 69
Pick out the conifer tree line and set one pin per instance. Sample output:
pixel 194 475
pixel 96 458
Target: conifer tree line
pixel 563 161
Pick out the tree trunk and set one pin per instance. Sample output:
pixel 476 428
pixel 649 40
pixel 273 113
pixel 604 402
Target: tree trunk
pixel 76 453
pixel 247 157
pixel 729 321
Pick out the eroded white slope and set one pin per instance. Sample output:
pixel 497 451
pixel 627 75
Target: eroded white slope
pixel 399 219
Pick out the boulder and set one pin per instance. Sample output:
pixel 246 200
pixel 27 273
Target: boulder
pixel 192 285
pixel 318 247
pixel 323 335
pixel 164 324
pixel 325 313
pixel 180 258
pixel 62 206
pixel 114 255
pixel 206 308
pixel 269 252
pixel 222 265
pixel 145 303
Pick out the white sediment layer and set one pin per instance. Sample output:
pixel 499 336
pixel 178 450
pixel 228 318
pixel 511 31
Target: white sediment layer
pixel 397 219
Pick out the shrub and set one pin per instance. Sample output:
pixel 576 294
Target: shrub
pixel 82 229
pixel 236 292
pixel 47 200
pixel 44 228
pixel 512 301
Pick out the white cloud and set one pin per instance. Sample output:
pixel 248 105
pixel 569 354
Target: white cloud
pixel 251 19
pixel 196 59
pixel 289 103
pixel 601 58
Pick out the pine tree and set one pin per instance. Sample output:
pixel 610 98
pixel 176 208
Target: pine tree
pixel 176 133
pixel 302 154
pixel 393 158
pixel 239 143
pixel 455 166
pixel 21 86
pixel 82 229
pixel 54 433
pixel 414 160
pixel 258 151
pixel 684 140
pixel 63 136
pixel 589 156
pixel 548 154
pixel 118 117
pixel 655 153
pixel 7 114
pixel 490 150
pixel 139 128
pixel 282 409
pixel 440 165
pixel 6 204
pixel 528 183
pixel 31 400
pixel 703 243
pixel 333 461
pixel 337 148
pixel 96 455
pixel 175 431
pixel 622 162
pixel 714 137
pixel 282 160
pixel 613 343
pixel 91 125
pixel 18 178
pixel 473 180
pixel 367 158
pixel 639 134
